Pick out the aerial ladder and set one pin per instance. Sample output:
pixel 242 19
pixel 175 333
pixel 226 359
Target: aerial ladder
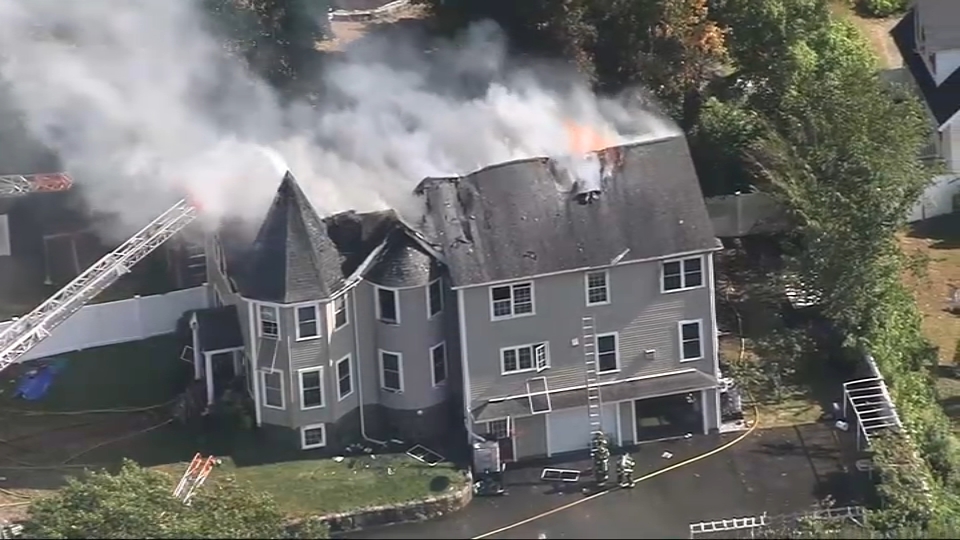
pixel 26 332
pixel 16 185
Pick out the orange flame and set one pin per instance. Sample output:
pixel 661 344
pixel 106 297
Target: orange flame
pixel 584 139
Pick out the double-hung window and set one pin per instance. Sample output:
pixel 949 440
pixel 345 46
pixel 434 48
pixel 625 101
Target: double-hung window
pixel 308 322
pixel 691 340
pixel 598 291
pixel 388 306
pixel 311 388
pixel 608 354
pixel 391 371
pixel 682 274
pixel 438 363
pixel 269 321
pixel 508 301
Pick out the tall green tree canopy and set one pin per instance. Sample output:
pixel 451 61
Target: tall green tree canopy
pixel 138 503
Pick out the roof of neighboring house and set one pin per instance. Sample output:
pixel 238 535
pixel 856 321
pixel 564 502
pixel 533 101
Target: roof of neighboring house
pixel 292 258
pixel 941 23
pixel 517 219
pixel 404 263
pixel 944 100
pixel 747 214
pixel 218 329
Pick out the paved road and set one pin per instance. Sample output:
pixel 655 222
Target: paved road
pixel 776 471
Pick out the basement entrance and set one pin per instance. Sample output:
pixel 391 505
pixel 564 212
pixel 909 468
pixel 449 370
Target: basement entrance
pixel 669 416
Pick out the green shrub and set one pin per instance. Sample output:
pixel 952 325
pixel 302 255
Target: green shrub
pixel 881 8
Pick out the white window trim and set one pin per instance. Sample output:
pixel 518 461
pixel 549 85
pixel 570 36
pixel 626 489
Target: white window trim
pixel 303 436
pixel 323 393
pixel 446 365
pixel 349 393
pixel 606 286
pixel 429 286
pixel 346 312
pixel 533 301
pixel 699 323
pixel 263 388
pixel 296 321
pixel 616 344
pixel 276 311
pixel 533 357
pixel 683 275
pixel 396 303
pixel 399 356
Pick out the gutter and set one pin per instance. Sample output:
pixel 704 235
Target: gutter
pixel 356 344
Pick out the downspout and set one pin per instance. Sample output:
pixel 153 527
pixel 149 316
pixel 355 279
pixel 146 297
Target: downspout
pixel 468 419
pixel 356 348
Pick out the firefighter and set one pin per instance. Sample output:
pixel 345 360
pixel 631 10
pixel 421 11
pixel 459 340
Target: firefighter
pixel 625 471
pixel 601 458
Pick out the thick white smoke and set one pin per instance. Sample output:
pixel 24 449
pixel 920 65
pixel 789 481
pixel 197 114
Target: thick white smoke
pixel 141 103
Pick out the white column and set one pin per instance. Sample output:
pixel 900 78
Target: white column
pixel 256 394
pixel 704 413
pixel 209 374
pixel 197 368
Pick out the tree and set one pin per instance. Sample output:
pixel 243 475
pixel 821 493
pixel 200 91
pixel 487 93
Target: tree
pixel 138 503
pixel 278 38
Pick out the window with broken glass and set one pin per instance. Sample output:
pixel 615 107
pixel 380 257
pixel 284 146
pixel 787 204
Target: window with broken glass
pixel 269 325
pixel 438 359
pixel 525 358
pixel 387 306
pixel 435 298
pixel 683 274
pixel 511 300
pixel 340 312
pixel 597 288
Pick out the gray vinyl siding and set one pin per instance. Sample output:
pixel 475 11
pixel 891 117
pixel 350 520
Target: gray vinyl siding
pixel 412 338
pixel 341 343
pixel 533 443
pixel 644 317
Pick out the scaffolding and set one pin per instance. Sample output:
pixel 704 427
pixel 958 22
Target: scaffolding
pixel 29 330
pixel 775 526
pixel 15 185
pixel 873 409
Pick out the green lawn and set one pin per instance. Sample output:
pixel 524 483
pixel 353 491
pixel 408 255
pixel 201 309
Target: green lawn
pixel 137 374
pixel 323 486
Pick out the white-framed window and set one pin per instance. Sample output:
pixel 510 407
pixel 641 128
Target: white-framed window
pixel 340 314
pixel 434 298
pixel 438 363
pixel 311 388
pixel 691 340
pixel 344 378
pixel 535 356
pixel 507 301
pixel 271 389
pixel 499 429
pixel 308 322
pixel 682 274
pixel 313 436
pixel 597 288
pixel 268 321
pixel 388 306
pixel 391 371
pixel 608 353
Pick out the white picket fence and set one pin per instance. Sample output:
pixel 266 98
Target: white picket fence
pixel 137 318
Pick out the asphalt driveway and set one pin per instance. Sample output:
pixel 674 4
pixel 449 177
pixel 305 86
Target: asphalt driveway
pixel 776 471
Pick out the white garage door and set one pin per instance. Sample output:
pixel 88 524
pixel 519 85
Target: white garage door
pixel 569 429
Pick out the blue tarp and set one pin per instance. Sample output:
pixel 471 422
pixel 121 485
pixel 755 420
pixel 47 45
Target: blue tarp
pixel 33 386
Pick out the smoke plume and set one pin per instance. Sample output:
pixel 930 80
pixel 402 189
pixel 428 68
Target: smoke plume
pixel 142 104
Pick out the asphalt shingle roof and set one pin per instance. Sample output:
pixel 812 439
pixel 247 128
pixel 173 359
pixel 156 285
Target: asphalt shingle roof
pixel 944 100
pixel 520 219
pixel 404 263
pixel 292 258
pixel 218 329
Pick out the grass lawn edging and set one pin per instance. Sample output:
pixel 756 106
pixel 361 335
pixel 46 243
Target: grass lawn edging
pixel 392 514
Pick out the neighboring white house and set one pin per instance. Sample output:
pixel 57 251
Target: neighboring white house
pixel 928 39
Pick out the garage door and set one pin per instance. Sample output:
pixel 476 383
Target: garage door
pixel 569 429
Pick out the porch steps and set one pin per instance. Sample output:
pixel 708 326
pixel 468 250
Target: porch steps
pixel 594 404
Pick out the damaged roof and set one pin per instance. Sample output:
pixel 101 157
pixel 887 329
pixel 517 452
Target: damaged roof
pixel 296 256
pixel 518 219
pixel 944 100
pixel 404 263
pixel 292 258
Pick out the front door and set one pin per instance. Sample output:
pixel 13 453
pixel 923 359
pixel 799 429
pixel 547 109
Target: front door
pixel 502 432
